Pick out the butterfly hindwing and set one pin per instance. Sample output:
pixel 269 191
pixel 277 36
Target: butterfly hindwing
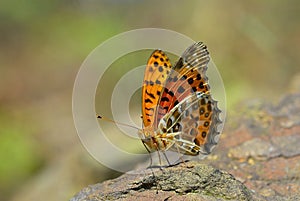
pixel 194 123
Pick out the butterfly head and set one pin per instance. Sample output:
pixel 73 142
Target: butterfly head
pixel 147 136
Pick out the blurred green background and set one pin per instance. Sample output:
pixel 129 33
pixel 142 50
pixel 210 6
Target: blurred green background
pixel 254 44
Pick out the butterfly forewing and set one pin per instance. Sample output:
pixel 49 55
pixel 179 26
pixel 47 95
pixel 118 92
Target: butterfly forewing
pixel 156 73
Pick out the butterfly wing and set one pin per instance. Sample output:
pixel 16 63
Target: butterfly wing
pixel 187 77
pixel 194 124
pixel 156 72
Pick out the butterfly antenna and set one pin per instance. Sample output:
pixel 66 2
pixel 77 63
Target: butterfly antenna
pixel 110 120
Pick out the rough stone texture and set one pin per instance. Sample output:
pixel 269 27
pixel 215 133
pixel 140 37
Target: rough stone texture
pixel 265 152
pixel 259 148
pixel 186 181
pixel 256 148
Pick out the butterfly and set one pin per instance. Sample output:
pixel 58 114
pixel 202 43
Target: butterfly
pixel 178 111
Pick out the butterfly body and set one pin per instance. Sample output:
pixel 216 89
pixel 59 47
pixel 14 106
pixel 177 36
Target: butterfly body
pixel 156 140
pixel 179 113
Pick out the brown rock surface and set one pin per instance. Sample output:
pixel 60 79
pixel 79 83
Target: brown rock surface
pixel 267 155
pixel 186 181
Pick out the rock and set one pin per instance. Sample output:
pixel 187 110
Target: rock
pixel 287 146
pixel 186 181
pixel 267 159
pixel 257 148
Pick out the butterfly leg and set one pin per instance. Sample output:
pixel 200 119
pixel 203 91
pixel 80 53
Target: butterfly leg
pixel 181 149
pixel 151 160
pixel 150 166
pixel 181 157
pixel 164 153
pixel 160 161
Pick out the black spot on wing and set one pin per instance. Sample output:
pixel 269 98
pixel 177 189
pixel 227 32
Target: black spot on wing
pixel 150 94
pixel 176 102
pixel 191 80
pixel 165 99
pixel 171 93
pixel 148 100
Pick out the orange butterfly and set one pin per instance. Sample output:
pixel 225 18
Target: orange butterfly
pixel 178 111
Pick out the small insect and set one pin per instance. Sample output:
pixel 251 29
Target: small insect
pixel 178 111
